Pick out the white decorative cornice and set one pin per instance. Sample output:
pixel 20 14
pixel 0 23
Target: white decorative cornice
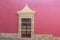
pixel 25 9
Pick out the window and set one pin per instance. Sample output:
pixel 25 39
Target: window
pixel 26 27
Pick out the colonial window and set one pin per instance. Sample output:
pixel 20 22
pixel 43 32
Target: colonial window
pixel 26 27
pixel 26 22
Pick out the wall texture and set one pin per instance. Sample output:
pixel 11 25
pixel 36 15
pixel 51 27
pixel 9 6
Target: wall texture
pixel 47 17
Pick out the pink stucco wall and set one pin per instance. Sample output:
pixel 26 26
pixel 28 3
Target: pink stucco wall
pixel 47 17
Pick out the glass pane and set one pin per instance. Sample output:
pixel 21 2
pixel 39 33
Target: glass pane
pixel 23 32
pixel 26 19
pixel 28 27
pixel 23 27
pixel 28 32
pixel 23 24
